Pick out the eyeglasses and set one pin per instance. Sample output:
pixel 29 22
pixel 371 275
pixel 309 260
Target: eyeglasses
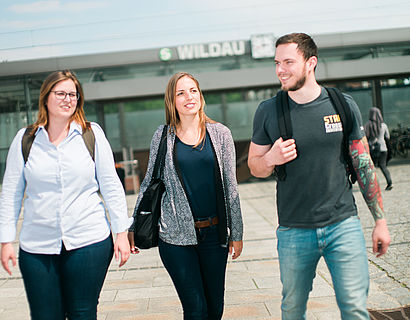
pixel 61 95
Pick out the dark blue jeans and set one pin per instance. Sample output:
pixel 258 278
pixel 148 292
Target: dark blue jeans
pixel 66 284
pixel 198 273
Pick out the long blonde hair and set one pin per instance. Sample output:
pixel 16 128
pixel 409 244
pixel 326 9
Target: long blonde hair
pixel 47 86
pixel 171 113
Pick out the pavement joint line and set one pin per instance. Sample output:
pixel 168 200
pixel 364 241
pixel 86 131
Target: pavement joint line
pixel 267 219
pixel 388 224
pixel 162 267
pixel 323 276
pixel 391 244
pixel 256 197
pixel 267 309
pixel 254 260
pixel 137 268
pixel 11 278
pixel 254 282
pixel 389 275
pixel 261 239
pixel 398 243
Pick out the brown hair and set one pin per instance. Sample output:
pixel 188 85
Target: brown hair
pixel 171 113
pixel 48 84
pixel 305 43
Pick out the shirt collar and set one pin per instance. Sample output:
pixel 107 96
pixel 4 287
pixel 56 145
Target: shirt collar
pixel 74 126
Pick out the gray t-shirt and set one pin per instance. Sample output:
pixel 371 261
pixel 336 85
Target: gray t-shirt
pixel 316 191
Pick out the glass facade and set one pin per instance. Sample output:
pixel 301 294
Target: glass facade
pixel 129 123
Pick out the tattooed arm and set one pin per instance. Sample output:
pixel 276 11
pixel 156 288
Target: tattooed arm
pixel 366 178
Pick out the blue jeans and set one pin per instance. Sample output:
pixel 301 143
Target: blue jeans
pixel 343 247
pixel 198 273
pixel 66 284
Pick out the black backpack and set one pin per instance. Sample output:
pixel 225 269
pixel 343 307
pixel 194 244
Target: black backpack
pixel 88 137
pixel 286 132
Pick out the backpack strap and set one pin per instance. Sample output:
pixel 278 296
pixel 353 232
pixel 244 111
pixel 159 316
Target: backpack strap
pixel 285 127
pixel 89 139
pixel 27 142
pixel 342 108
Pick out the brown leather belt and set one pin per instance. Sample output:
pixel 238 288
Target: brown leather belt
pixel 206 223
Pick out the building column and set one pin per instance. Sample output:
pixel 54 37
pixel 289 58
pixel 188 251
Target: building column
pixel 121 123
pixel 99 110
pixel 224 109
pixel 28 100
pixel 377 94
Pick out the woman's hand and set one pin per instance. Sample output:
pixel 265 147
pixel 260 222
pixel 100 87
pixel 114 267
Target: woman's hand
pixel 122 247
pixel 134 249
pixel 7 253
pixel 237 248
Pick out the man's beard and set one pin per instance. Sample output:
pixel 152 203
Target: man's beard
pixel 299 84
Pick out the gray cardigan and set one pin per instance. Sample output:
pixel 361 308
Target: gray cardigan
pixel 177 223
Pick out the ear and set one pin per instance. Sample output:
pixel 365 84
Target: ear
pixel 312 63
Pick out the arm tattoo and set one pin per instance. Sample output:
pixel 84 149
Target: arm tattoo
pixel 366 177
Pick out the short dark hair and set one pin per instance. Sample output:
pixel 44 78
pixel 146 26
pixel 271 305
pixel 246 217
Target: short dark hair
pixel 305 43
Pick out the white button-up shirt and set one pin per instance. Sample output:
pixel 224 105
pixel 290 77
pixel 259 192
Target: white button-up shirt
pixel 61 184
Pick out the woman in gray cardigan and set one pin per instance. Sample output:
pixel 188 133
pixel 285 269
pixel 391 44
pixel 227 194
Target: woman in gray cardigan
pixel 201 221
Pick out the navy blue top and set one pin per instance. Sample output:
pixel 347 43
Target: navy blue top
pixel 197 168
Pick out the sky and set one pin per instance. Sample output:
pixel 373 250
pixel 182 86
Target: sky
pixel 56 28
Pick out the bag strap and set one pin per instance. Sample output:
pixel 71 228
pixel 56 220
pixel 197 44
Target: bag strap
pixel 89 139
pixel 27 142
pixel 285 126
pixel 160 159
pixel 343 109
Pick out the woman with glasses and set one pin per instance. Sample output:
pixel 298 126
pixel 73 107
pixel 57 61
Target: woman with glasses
pixel 65 239
pixel 201 221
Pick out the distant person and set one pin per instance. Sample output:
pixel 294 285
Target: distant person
pixel 316 208
pixel 377 132
pixel 66 244
pixel 201 219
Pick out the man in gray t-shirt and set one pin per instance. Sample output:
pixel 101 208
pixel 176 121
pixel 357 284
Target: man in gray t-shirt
pixel 316 208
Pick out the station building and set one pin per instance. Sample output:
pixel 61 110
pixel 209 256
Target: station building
pixel 124 90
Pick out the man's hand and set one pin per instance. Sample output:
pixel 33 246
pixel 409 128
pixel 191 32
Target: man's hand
pixel 380 237
pixel 283 151
pixel 262 159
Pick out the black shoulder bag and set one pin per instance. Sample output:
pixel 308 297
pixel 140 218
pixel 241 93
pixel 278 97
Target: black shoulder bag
pixel 149 210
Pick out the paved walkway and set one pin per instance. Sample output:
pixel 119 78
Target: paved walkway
pixel 142 288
